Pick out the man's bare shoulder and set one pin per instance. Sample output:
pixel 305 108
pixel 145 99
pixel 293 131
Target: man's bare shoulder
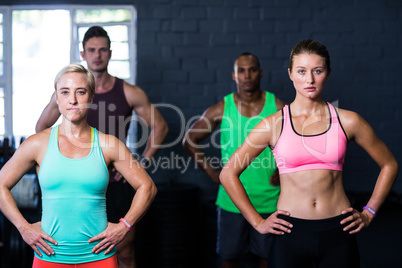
pixel 279 103
pixel 135 95
pixel 128 86
pixel 218 107
pixel 215 112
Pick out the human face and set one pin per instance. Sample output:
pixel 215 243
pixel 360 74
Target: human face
pixel 97 54
pixel 73 96
pixel 246 74
pixel 309 74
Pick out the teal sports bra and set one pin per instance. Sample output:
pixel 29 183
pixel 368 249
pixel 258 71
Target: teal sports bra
pixel 73 201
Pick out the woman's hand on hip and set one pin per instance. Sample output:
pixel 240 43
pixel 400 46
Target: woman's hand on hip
pixel 109 238
pixel 274 225
pixel 357 221
pixel 35 238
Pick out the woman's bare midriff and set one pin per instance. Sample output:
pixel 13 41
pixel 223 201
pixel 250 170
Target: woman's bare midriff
pixel 313 194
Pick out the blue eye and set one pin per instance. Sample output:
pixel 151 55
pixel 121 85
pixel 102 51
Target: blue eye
pixel 301 71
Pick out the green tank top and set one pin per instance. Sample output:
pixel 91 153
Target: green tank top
pixel 255 178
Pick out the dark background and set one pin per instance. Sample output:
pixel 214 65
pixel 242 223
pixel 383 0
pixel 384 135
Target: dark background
pixel 186 50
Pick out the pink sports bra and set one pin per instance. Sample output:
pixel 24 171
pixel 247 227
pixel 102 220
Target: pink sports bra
pixel 295 152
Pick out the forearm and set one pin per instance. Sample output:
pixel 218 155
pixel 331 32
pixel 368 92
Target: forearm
pixel 9 208
pixel 383 185
pixel 155 140
pixel 142 200
pixel 238 195
pixel 198 155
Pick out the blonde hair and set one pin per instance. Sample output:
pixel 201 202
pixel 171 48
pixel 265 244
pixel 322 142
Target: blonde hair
pixel 77 68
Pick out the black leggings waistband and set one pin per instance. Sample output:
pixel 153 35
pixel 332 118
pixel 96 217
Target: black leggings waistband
pixel 316 224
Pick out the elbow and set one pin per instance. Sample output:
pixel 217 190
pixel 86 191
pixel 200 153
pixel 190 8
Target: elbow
pixel 223 174
pixel 186 142
pixel 395 167
pixel 4 191
pixel 229 174
pixel 191 141
pixel 191 146
pixel 160 130
pixel 152 191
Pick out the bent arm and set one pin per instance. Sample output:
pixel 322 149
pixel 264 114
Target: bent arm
pixel 49 115
pixel 200 130
pixel 15 168
pixel 23 159
pixel 359 130
pixel 122 159
pixel 255 143
pixel 147 112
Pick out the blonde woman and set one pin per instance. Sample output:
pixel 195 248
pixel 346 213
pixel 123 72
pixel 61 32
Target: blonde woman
pixel 73 161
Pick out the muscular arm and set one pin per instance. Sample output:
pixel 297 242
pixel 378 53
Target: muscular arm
pixel 116 154
pixel 200 130
pixel 147 112
pixel 260 137
pixel 49 115
pixel 274 179
pixel 363 134
pixel 122 159
pixel 23 159
pixel 10 174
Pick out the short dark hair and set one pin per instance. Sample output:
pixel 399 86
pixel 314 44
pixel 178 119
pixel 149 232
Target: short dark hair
pixel 95 31
pixel 248 54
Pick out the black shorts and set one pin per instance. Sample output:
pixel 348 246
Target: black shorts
pixel 119 196
pixel 236 236
pixel 314 243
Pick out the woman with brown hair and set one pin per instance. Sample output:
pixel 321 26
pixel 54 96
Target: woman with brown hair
pixel 314 223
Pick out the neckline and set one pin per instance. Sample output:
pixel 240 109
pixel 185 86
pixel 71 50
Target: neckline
pixel 262 110
pixel 110 90
pixel 312 135
pixel 73 159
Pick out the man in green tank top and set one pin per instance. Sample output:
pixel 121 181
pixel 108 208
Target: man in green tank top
pixel 237 114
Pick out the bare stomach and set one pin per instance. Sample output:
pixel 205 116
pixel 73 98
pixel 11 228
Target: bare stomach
pixel 313 194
